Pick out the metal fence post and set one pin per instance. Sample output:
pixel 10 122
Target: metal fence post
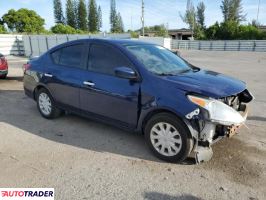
pixel 56 40
pixel 18 46
pixel 224 45
pixel 254 45
pixel 39 46
pixel 46 40
pixel 31 51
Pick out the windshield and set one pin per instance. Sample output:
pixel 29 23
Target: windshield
pixel 158 60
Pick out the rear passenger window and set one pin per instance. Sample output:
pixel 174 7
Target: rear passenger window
pixel 104 59
pixel 71 56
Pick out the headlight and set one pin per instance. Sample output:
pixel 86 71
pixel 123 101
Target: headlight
pixel 218 111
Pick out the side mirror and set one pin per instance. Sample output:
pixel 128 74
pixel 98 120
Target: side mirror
pixel 125 72
pixel 176 52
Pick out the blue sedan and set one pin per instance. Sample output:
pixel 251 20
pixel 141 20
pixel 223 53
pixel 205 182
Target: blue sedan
pixel 140 87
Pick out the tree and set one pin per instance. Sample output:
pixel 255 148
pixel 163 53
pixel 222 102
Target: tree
pixel 82 16
pixel 232 10
pixel 225 7
pixel 65 29
pixel 113 17
pixel 93 16
pixel 2 29
pixel 159 30
pixel 237 11
pixel 58 12
pixel 190 16
pixel 99 17
pixel 120 24
pixel 212 31
pixel 116 21
pixel 23 21
pixel 76 12
pixel 201 15
pixel 70 13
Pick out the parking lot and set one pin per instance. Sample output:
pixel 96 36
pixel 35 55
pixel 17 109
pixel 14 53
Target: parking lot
pixel 83 159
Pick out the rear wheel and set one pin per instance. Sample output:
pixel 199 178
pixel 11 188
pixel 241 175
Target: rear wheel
pixel 46 105
pixel 168 137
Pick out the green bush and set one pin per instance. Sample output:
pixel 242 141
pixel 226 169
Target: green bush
pixel 65 29
pixel 212 32
pixel 228 30
pixel 231 30
pixel 134 34
pixel 2 29
pixel 250 32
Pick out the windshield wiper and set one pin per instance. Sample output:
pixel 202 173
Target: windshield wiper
pixel 165 74
pixel 184 71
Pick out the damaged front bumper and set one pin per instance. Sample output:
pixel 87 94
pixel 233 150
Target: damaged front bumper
pixel 212 133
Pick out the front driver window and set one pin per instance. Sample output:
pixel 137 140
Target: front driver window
pixel 104 59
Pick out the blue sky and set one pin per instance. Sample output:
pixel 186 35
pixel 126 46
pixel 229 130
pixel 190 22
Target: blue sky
pixel 156 11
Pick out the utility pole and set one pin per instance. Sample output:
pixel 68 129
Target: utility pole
pixel 258 12
pixel 131 23
pixel 142 18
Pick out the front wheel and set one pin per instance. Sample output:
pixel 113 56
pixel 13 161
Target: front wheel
pixel 46 105
pixel 168 137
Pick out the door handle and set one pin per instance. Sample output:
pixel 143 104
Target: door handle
pixel 89 83
pixel 48 75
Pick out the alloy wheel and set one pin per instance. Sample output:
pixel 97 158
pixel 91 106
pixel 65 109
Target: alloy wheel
pixel 45 104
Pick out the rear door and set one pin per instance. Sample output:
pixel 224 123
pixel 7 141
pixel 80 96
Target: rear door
pixel 103 93
pixel 63 74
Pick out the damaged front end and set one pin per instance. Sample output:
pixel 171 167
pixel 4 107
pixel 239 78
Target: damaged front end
pixel 216 119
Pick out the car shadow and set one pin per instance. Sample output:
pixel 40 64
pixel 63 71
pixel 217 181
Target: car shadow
pixel 257 118
pixel 14 78
pixel 160 196
pixel 21 112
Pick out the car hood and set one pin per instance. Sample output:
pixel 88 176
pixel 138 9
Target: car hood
pixel 208 83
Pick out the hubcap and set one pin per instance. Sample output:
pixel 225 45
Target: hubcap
pixel 166 139
pixel 45 104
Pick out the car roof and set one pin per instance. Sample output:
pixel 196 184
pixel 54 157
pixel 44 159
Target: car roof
pixel 120 42
pixel 115 41
pixel 128 42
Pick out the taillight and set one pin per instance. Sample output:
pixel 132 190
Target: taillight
pixel 26 67
pixel 3 63
pixel 2 60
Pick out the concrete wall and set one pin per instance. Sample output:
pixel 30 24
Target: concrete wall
pixel 36 45
pixel 221 45
pixel 11 44
pixel 165 42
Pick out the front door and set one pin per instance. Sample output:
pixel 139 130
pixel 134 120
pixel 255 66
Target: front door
pixel 105 94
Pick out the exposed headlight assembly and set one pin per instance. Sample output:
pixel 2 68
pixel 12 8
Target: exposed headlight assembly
pixel 218 111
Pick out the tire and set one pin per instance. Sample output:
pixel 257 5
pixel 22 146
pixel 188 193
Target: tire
pixel 176 140
pixel 3 76
pixel 47 107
